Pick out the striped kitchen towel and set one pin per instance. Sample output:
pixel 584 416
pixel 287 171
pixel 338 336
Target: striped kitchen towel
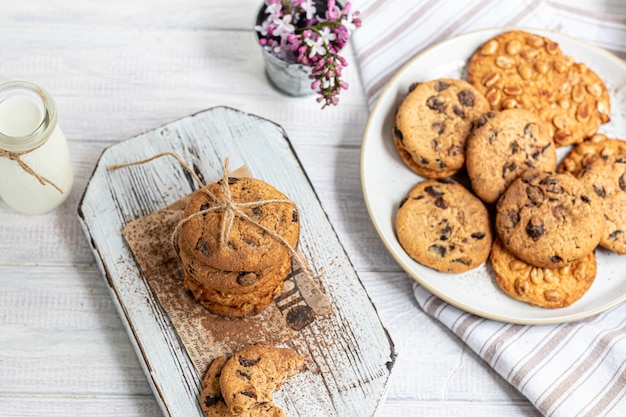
pixel 565 370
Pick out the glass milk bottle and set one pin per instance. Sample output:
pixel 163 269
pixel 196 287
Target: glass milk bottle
pixel 35 168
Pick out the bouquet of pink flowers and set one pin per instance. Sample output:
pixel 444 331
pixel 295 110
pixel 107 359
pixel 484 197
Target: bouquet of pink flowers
pixel 311 33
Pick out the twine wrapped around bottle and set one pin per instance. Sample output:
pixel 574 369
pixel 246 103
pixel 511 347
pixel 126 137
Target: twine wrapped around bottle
pixel 17 157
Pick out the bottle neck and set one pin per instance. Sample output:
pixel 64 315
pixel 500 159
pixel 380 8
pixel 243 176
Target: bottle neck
pixel 28 116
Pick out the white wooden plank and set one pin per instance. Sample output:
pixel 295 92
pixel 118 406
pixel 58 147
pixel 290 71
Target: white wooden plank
pixel 356 358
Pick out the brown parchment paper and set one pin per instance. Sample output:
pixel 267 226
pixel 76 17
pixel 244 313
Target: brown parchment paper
pixel 203 334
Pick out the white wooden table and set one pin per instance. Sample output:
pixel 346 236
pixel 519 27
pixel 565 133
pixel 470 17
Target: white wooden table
pixel 118 68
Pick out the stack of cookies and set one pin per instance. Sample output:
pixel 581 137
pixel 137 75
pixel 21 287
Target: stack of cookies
pixel 522 100
pixel 235 245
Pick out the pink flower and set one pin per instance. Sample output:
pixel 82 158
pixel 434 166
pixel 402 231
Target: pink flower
pixel 292 30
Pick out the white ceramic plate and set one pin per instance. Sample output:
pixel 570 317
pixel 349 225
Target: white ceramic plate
pixel 386 180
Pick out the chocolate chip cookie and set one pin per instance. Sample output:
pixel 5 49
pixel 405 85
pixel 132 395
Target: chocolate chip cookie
pixel 582 105
pixel 247 247
pixel 212 402
pixel 251 375
pixel 502 146
pixel 518 69
pixel 543 287
pixel 432 124
pixel 232 282
pixel 548 219
pixel 444 226
pixel 601 163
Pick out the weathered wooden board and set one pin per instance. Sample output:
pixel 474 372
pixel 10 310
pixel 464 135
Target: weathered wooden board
pixel 350 352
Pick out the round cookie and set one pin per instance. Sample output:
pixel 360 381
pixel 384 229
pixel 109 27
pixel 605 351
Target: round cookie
pixel 601 163
pixel 232 282
pixel 502 146
pixel 252 374
pixel 443 226
pixel 249 247
pixel 548 219
pixel 543 287
pixel 518 69
pixel 432 124
pixel 212 402
pixel 241 306
pixel 582 105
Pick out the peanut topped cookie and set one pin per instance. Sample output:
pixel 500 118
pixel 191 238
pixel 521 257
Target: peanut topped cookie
pixel 548 219
pixel 503 145
pixel 248 246
pixel 518 69
pixel 543 287
pixel 444 226
pixel 582 105
pixel 601 163
pixel 433 122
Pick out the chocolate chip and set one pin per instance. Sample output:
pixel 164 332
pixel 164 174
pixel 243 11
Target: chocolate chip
pixel 440 163
pixel 621 160
pixel 529 163
pixel 202 246
pixel 433 191
pixel 458 111
pixel 250 243
pixel 464 261
pixel 511 220
pixel 535 195
pixel 418 197
pixel 210 401
pixel 441 85
pixel 585 198
pixel 294 217
pixel 438 249
pixel 435 103
pixel 510 167
pixel 413 86
pixel 485 118
pixel 556 259
pixel 622 183
pixel 478 235
pixel 549 180
pixel 398 133
pixel 530 176
pixel 246 279
pixel 534 228
pixel 440 203
pixel 559 212
pixel 528 130
pixel 599 190
pixel 439 127
pixel 243 374
pixel 204 206
pixel 424 160
pixel 232 180
pixel 248 394
pixel 246 363
pixel 466 98
pixel 445 233
pixel 615 234
pixel 435 144
pixel 514 147
pixel 491 136
pixel 257 212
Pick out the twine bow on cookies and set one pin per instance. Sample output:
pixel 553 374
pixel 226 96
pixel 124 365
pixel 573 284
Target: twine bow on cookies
pixel 17 157
pixel 229 207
